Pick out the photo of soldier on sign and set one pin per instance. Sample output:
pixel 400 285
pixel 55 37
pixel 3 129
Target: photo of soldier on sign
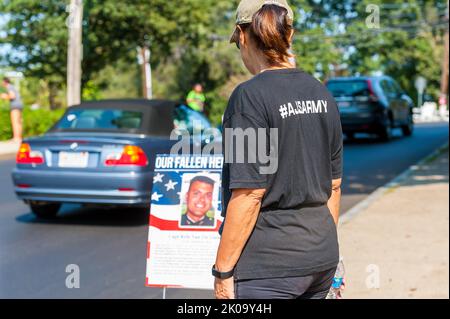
pixel 199 197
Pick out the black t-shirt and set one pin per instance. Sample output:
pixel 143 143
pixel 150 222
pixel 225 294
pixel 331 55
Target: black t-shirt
pixel 295 234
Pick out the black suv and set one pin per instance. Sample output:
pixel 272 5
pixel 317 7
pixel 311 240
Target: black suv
pixel 372 105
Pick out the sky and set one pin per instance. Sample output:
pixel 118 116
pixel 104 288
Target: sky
pixel 3 47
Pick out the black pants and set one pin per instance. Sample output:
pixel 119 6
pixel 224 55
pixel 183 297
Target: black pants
pixel 314 286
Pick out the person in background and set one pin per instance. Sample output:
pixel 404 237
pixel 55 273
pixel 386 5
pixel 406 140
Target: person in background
pixel 12 95
pixel 196 99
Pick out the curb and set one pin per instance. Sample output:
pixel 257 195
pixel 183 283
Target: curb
pixel 361 206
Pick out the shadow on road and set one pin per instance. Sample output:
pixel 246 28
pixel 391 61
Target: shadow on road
pixel 77 215
pixel 370 139
pixel 355 183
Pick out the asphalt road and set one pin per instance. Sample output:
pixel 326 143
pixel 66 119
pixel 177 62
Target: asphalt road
pixel 109 246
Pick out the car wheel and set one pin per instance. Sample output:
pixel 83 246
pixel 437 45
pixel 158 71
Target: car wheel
pixel 45 210
pixel 385 134
pixel 408 128
pixel 141 210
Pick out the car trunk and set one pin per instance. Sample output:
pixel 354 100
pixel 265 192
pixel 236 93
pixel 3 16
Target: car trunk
pixel 74 152
pixel 356 99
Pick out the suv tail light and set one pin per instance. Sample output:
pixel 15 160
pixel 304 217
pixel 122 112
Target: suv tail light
pixel 26 155
pixel 131 155
pixel 372 96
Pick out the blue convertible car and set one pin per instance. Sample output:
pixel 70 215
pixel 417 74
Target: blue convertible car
pixel 99 153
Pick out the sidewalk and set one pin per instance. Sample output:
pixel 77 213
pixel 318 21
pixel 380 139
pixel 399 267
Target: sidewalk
pixel 8 147
pixel 400 242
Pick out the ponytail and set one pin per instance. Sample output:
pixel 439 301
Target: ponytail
pixel 271 30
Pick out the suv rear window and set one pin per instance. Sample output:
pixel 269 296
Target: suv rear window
pixel 348 88
pixel 100 119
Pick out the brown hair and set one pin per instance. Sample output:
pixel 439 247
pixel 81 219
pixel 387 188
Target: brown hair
pixel 271 29
pixel 6 80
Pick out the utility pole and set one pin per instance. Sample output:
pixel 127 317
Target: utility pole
pixel 443 99
pixel 146 68
pixel 74 52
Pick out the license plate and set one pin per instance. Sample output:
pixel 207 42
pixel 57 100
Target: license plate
pixel 73 159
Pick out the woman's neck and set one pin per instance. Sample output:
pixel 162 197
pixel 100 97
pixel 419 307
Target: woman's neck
pixel 262 66
pixel 283 66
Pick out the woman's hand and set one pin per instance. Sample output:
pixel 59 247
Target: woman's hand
pixel 341 290
pixel 224 288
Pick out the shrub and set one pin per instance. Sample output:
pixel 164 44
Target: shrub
pixel 35 122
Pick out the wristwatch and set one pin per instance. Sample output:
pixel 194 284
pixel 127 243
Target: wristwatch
pixel 222 275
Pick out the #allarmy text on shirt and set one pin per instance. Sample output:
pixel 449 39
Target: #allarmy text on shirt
pixel 303 107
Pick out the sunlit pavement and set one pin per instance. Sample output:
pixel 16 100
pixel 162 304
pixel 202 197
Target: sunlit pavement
pixel 398 246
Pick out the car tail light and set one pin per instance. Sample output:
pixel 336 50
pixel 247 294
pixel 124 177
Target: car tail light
pixel 372 96
pixel 26 155
pixel 23 185
pixel 131 155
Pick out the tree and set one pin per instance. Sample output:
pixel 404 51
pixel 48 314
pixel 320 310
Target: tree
pixel 112 31
pixel 35 30
pixel 318 51
pixel 408 43
pixel 211 61
pixel 189 42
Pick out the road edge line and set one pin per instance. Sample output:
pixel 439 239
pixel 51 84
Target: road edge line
pixel 395 182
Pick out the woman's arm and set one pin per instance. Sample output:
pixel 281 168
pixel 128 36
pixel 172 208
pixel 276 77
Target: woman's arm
pixel 242 213
pixel 12 95
pixel 8 96
pixel 335 199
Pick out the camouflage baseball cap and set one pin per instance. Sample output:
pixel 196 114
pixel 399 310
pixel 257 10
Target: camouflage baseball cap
pixel 247 8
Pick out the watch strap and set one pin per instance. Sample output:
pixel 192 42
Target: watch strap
pixel 222 275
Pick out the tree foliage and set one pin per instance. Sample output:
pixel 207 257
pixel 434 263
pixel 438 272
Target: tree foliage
pixel 111 31
pixel 408 43
pixel 189 43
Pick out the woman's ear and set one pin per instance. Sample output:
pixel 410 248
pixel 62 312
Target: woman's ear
pixel 242 39
pixel 291 36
